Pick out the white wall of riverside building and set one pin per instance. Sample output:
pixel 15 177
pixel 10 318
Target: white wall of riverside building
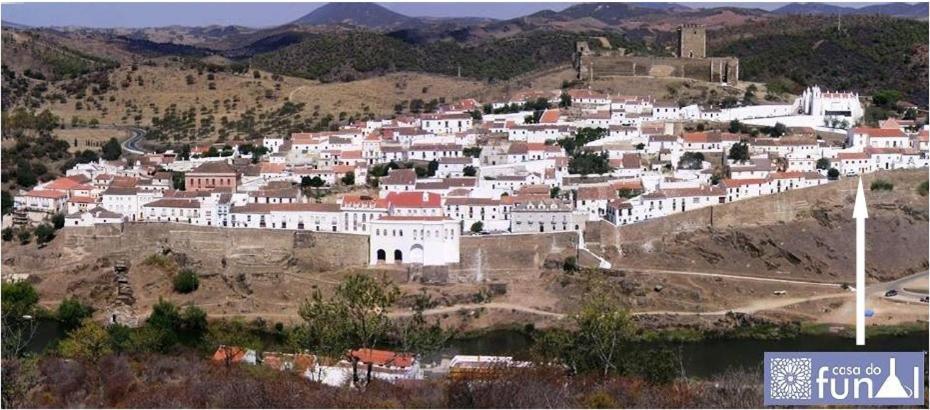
pixel 431 250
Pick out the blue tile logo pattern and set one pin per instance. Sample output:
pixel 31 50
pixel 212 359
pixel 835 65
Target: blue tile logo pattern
pixel 791 378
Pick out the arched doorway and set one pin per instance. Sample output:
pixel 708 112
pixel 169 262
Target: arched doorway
pixel 382 255
pixel 398 256
pixel 416 254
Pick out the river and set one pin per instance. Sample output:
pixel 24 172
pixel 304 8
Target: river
pixel 709 357
pixel 701 359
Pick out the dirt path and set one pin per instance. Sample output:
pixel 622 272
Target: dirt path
pixel 760 305
pixel 737 277
pixel 491 305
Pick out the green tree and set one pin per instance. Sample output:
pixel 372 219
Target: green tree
pixel 589 163
pixel 44 233
pixel 778 130
pixel 7 204
pixel 833 174
pixel 554 192
pixel 739 152
pixel 473 152
pixel 186 281
pixel 8 234
pixel 88 342
pixel 886 98
pixel 24 236
pixel 71 312
pixel 112 150
pixel 477 227
pixel 604 328
pixel 416 334
pixel 58 221
pixel 19 309
pixel 881 185
pixel 691 160
pixel 349 178
pixel 355 316
pixel 565 100
pixel 469 171
pixel 25 176
pixel 823 163
pixel 314 182
pixel 570 264
pixel 432 167
pixel 735 126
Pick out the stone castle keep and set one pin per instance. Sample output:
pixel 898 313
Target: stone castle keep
pixel 692 61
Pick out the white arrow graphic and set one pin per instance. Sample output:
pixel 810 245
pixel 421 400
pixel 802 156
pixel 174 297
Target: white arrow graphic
pixel 860 214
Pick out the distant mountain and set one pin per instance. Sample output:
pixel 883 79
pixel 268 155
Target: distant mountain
pixel 613 13
pixel 813 8
pixel 916 11
pixel 905 10
pixel 368 15
pixel 10 24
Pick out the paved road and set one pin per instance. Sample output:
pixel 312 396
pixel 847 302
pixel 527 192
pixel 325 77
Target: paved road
pixel 879 289
pixel 895 284
pixel 131 145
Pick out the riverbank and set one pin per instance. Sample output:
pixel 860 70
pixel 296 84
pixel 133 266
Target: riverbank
pixel 700 354
pixel 708 355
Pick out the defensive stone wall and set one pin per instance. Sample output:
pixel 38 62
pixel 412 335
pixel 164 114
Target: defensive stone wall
pixel 219 249
pixel 712 69
pixel 502 258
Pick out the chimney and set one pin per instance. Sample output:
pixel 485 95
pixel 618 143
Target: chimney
pixel 425 196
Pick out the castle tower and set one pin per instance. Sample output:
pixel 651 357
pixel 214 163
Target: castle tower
pixel 692 41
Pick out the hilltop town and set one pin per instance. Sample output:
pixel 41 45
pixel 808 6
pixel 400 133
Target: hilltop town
pixel 494 226
pixel 543 161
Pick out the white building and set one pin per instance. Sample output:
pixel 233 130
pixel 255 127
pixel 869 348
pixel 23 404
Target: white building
pixel 425 240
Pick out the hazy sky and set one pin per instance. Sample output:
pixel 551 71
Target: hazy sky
pixel 258 14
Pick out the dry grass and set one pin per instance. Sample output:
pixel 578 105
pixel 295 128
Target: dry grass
pixel 89 138
pixel 380 94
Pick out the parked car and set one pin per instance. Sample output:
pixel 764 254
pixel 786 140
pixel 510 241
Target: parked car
pixel 891 293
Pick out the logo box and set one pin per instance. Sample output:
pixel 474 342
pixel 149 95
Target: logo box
pixel 845 378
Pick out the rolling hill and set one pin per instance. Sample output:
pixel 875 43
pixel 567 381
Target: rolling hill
pixel 904 10
pixel 368 15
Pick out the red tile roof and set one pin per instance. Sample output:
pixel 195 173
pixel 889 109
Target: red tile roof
pixel 383 357
pixel 46 193
pixel 414 200
pixel 235 353
pixel 879 132
pixel 550 116
pixel 63 183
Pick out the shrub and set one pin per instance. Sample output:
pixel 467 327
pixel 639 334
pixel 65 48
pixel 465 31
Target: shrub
pixel 158 260
pixel 570 264
pixel 922 188
pixel 71 312
pixel 186 281
pixel 7 234
pixel 823 163
pixel 58 221
pixel 24 236
pixel 44 233
pixel 882 185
